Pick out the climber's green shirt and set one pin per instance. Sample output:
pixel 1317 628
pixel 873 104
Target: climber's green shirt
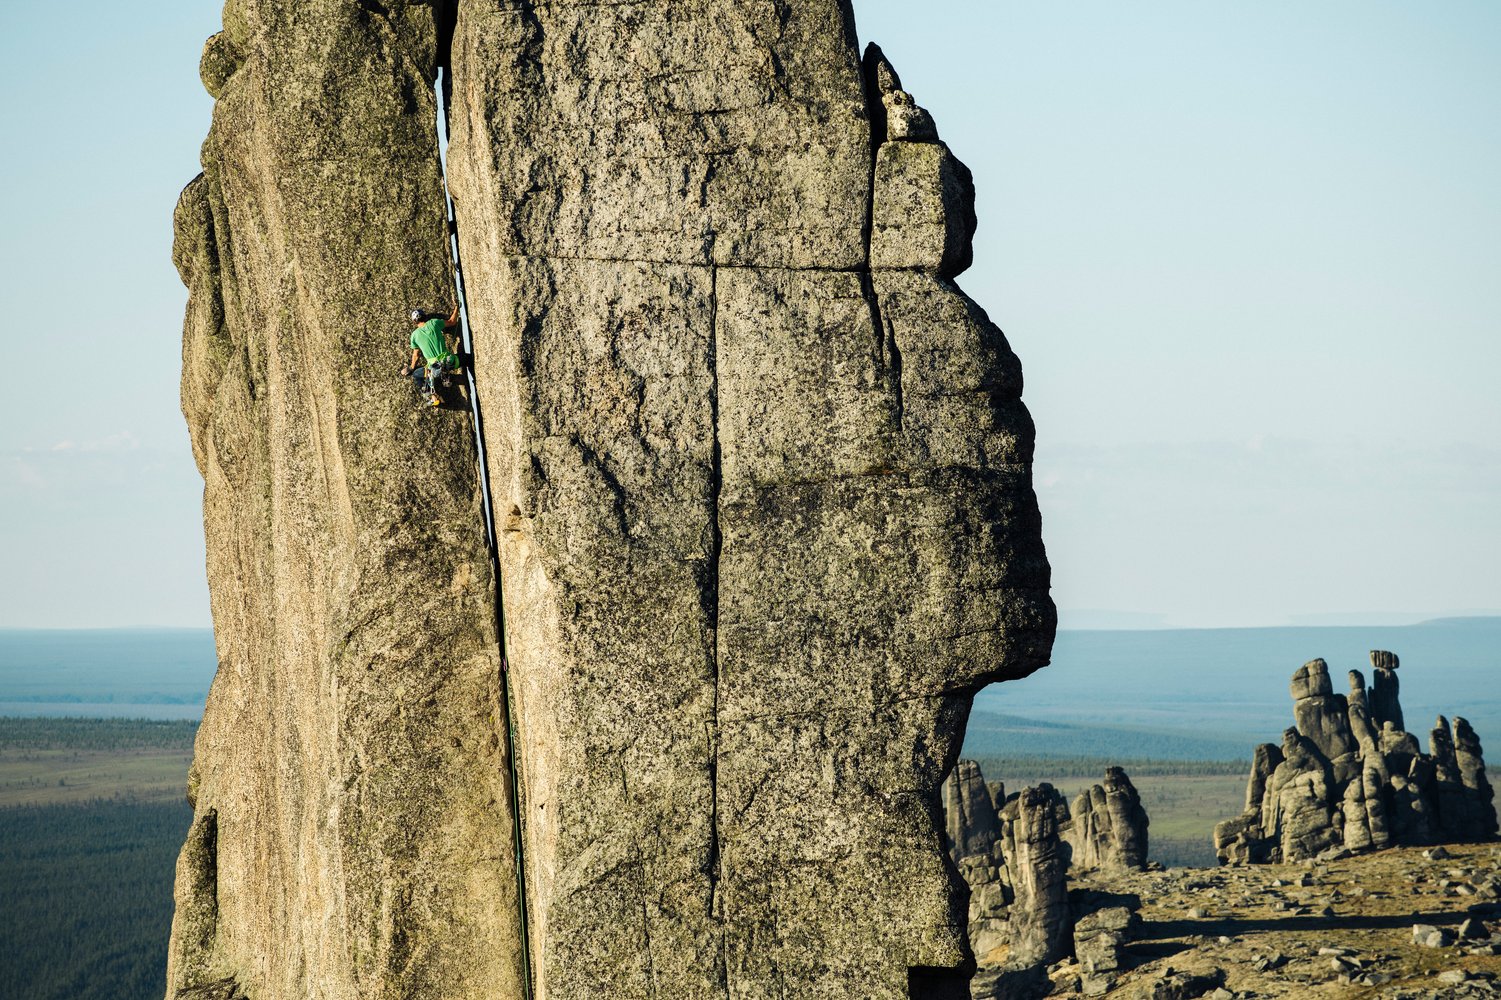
pixel 428 338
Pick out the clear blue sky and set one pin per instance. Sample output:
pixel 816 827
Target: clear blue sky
pixel 1247 252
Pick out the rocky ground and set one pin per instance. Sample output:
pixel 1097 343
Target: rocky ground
pixel 1404 923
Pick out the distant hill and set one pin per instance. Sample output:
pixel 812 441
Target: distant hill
pixel 992 735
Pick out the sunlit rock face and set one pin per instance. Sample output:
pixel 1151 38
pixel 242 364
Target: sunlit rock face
pixel 1347 777
pixel 760 475
pixel 350 784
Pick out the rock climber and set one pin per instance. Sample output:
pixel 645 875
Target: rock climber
pixel 432 362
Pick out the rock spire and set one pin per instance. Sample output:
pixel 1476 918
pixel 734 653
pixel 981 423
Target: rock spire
pixel 1108 826
pixel 1015 853
pixel 760 480
pixel 1347 777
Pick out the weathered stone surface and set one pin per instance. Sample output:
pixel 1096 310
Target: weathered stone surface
pixel 221 58
pixel 757 554
pixel 904 120
pixel 1041 921
pixel 1311 681
pixel 1470 759
pixel 1414 815
pixel 923 210
pixel 1363 728
pixel 923 198
pixel 1322 716
pixel 353 822
pixel 1108 826
pixel 1364 812
pixel 969 814
pixel 196 894
pixel 1348 779
pixel 1385 701
pixel 1240 840
pixel 974 842
pixel 1300 799
pixel 763 503
pixel 1100 938
pixel 707 132
pixel 1462 795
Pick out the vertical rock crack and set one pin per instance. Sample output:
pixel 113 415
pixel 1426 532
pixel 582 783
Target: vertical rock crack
pixel 716 546
pixel 508 723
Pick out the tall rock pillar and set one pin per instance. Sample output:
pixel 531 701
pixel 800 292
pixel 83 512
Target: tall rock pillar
pixel 353 829
pixel 762 479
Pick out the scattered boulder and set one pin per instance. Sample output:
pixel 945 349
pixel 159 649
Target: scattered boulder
pixel 1429 936
pixel 1100 938
pixel 1174 985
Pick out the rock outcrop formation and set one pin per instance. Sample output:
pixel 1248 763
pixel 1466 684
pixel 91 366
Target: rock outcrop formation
pixel 352 804
pixel 1108 826
pixel 974 840
pixel 1015 853
pixel 1347 777
pixel 1041 922
pixel 760 481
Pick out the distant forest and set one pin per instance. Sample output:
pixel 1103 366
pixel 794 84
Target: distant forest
pixel 96 734
pixel 1094 767
pixel 88 899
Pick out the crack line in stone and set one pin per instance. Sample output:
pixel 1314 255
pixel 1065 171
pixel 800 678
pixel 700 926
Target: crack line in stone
pixel 716 548
pixel 491 542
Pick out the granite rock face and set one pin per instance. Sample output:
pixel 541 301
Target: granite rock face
pixel 760 476
pixel 1348 777
pixel 1108 826
pixel 352 804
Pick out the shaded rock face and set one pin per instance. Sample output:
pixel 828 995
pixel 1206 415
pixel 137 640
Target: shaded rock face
pixel 1108 826
pixel 760 475
pixel 975 845
pixel 1348 777
pixel 970 814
